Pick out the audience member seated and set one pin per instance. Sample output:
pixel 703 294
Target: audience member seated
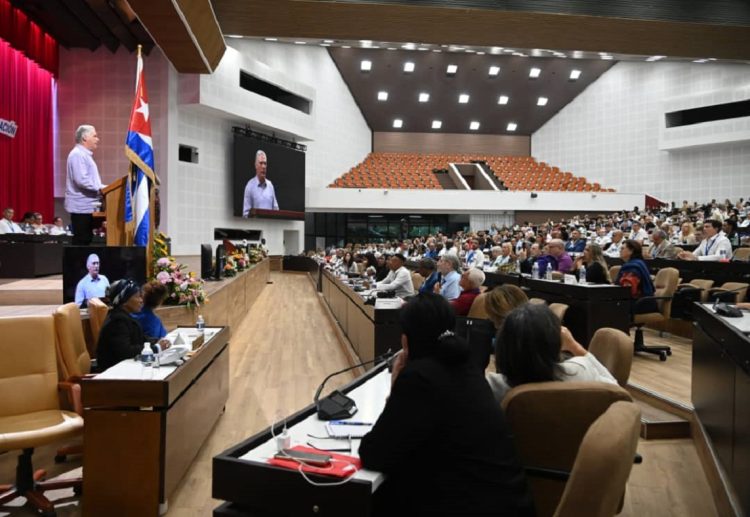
pixel 597 271
pixel 381 270
pixel 6 223
pixel 442 440
pixel 37 225
pixel 563 262
pixel 613 250
pixel 121 336
pixel 27 225
pixel 529 348
pixel 449 266
pixel 661 247
pixel 527 259
pixel 428 271
pixel 154 294
pixel 474 255
pixel 502 257
pixel 715 246
pixel 603 237
pixel 634 275
pixel 93 285
pixel 576 243
pixel 637 233
pixel 471 281
pixel 398 279
pixel 686 235
pixel 348 265
pixel 730 232
pixel 501 300
pixel 58 227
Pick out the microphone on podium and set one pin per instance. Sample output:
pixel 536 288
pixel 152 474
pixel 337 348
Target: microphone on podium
pixel 338 406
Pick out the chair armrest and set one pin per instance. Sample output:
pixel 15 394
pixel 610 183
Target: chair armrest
pixel 78 378
pixel 547 473
pixel 73 390
pixel 649 298
pixel 690 286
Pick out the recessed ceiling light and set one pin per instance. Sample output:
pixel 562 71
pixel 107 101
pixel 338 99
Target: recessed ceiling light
pixel 494 70
pixel 503 99
pixel 496 50
pixel 474 125
pixel 469 50
pixel 300 43
pixel 512 126
pixel 463 98
pixel 271 39
pixel 655 58
pixel 575 74
pixel 437 50
pixel 346 46
pixel 437 124
pixel 365 65
pixel 424 97
pixel 509 50
pixel 480 53
pixel 329 41
pixel 382 96
pixel 365 42
pixel 235 36
pixel 423 48
pixel 577 54
pixel 542 101
pixel 607 57
pixel 325 44
pixel 409 67
pixel 535 72
pixel 408 46
pixel 700 61
pixel 451 69
pixel 391 48
pixel 398 123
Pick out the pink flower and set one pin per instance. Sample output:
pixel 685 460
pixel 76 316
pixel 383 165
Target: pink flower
pixel 163 277
pixel 162 262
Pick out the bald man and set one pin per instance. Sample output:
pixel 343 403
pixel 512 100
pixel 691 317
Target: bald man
pixel 93 285
pixel 259 191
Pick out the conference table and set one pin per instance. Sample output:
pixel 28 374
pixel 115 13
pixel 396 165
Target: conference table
pixel 144 425
pixel 250 486
pixel 590 306
pixel 721 391
pixel 371 329
pixel 29 256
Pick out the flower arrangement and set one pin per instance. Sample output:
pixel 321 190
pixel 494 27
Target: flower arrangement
pixel 183 288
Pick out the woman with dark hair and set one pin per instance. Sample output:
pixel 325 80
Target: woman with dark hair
pixel 121 336
pixel 530 345
pixel 597 271
pixel 348 264
pixel 154 294
pixel 634 275
pixel 442 440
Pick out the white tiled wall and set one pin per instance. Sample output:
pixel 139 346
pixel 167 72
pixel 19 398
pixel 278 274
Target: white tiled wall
pixel 610 134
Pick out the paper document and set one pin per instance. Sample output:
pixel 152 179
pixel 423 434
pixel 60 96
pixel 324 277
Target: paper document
pixel 347 431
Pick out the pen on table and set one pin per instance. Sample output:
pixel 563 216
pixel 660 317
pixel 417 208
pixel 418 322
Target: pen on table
pixel 344 422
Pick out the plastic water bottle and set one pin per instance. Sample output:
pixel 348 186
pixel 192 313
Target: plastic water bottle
pixel 147 355
pixel 535 271
pixel 200 323
pixel 548 274
pixel 582 275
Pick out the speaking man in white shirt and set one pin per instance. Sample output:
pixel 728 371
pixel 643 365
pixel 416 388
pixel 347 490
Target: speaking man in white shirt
pixel 398 279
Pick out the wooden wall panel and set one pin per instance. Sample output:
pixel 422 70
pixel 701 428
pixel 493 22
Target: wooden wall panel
pixel 393 142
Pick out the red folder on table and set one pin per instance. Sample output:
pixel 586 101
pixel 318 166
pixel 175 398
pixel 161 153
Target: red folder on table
pixel 341 466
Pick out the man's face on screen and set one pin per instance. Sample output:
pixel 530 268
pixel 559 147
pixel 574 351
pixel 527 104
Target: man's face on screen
pixel 261 165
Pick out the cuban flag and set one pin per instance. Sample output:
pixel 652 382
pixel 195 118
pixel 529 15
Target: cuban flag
pixel 140 151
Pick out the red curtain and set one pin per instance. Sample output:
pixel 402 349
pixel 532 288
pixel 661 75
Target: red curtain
pixel 26 168
pixel 26 36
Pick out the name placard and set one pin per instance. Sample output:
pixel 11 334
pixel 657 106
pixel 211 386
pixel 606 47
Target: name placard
pixel 8 128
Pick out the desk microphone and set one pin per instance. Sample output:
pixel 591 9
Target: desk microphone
pixel 725 309
pixel 338 406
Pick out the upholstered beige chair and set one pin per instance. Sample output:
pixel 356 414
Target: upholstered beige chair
pixel 417 280
pixel 478 309
pixel 98 311
pixel 603 464
pixel 665 284
pixel 549 421
pixel 699 283
pixel 614 349
pixel 740 289
pixel 559 309
pixel 30 415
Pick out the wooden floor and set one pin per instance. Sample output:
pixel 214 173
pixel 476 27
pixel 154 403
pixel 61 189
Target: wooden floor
pixel 670 378
pixel 280 353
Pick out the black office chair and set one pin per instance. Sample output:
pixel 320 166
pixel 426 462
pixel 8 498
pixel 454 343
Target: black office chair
pixel 479 333
pixel 666 284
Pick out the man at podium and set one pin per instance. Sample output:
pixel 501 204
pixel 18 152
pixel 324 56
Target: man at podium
pixel 83 185
pixel 259 191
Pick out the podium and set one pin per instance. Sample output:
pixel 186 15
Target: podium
pixel 119 232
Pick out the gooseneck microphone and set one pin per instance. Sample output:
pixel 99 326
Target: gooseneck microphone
pixel 725 308
pixel 338 406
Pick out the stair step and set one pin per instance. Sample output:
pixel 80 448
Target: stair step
pixel 657 424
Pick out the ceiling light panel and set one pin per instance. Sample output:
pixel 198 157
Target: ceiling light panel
pixel 451 69
pixel 409 67
pixel 382 96
pixel 494 71
pixel 365 65
pixel 503 99
pixel 575 74
pixel 512 126
pixel 398 123
pixel 542 101
pixel 535 72
pixel 424 97
pixel 463 98
pixel 437 124
pixel 474 125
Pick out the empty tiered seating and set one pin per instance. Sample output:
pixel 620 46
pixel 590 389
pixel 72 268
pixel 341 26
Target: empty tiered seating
pixel 415 171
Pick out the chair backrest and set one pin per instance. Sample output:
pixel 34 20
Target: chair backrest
pixel 741 254
pixel 549 421
pixel 98 311
pixel 613 271
pixel 538 301
pixel 559 309
pixel 665 284
pixel 28 371
pixel 704 284
pixel 73 357
pixel 741 289
pixel 478 308
pixel 417 280
pixel 614 349
pixel 603 464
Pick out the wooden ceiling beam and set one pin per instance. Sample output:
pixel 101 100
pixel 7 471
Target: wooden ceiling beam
pixel 105 13
pixel 58 21
pixel 482 27
pixel 185 30
pixel 84 13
